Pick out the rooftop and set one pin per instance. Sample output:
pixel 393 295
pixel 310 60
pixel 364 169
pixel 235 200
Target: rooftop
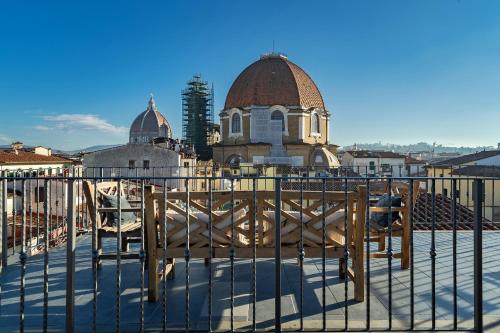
pixel 374 154
pixel 21 156
pixel 335 311
pixel 412 160
pixel 468 158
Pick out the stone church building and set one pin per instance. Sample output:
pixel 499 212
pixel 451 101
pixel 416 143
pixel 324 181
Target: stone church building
pixel 274 114
pixel 151 151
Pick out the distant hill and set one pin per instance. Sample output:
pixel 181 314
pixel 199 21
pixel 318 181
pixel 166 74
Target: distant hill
pixel 417 147
pixel 69 152
pixel 86 150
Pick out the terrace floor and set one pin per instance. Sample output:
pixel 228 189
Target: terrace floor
pixel 335 311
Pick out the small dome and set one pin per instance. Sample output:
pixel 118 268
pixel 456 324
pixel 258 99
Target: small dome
pixel 274 80
pixel 322 157
pixel 150 124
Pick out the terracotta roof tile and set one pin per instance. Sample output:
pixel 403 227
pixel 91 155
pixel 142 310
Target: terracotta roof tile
pixel 274 80
pixel 8 156
pixel 411 160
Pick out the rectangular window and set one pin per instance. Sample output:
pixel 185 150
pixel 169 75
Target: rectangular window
pixel 445 192
pixel 385 167
pixel 131 164
pixel 186 164
pixel 372 166
pixel 145 164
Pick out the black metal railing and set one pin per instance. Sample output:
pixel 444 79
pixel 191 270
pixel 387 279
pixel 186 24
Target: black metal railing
pixel 40 215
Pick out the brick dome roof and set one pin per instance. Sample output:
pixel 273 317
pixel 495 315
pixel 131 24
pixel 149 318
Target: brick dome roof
pixel 274 80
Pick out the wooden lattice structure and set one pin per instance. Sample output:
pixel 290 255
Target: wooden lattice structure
pixel 253 213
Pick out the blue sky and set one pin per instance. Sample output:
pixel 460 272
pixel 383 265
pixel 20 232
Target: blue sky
pixel 75 74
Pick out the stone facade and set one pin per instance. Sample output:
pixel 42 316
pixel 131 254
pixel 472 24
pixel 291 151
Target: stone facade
pixel 141 159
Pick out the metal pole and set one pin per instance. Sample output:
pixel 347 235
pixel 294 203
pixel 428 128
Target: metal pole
pixel 22 258
pixel 232 254
pixel 187 257
pixel 118 256
pixel 277 255
pixel 70 259
pixel 478 256
pixel 4 220
pixel 46 213
pixel 210 246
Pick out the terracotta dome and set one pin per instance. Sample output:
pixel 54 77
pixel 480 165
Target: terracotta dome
pixel 274 80
pixel 150 123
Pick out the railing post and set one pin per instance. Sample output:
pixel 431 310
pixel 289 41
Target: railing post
pixel 70 258
pixel 4 220
pixel 277 254
pixel 478 255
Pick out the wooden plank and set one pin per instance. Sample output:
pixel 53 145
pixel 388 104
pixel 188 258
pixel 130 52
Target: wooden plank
pixel 152 244
pixel 358 253
pixel 115 210
pixel 265 194
pixel 386 209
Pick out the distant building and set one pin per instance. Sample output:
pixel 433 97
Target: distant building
pixel 375 163
pixel 198 116
pixel 151 151
pixel 414 166
pixel 449 166
pixel 149 125
pixel 274 114
pixel 215 135
pixel 19 160
pixel 464 169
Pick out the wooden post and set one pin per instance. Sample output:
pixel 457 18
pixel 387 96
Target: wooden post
pixel 359 236
pixel 405 239
pixel 150 224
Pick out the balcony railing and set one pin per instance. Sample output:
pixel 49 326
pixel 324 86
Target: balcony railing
pixel 247 253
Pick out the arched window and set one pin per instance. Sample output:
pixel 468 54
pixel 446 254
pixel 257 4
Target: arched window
pixel 236 123
pixel 278 115
pixel 315 123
